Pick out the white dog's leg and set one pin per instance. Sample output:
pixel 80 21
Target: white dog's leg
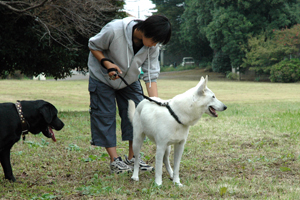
pixel 160 151
pixel 178 150
pixel 136 146
pixel 167 162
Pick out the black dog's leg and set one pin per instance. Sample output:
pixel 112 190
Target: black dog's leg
pixel 5 162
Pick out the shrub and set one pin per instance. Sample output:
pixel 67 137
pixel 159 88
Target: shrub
pixel 232 76
pixel 13 75
pixel 286 71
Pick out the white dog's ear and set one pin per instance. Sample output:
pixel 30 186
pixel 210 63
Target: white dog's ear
pixel 200 82
pixel 201 86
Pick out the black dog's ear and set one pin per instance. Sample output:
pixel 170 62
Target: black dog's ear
pixel 48 111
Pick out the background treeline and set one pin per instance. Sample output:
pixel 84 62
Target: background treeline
pixel 260 35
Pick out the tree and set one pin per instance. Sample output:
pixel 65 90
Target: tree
pixel 226 33
pixel 50 35
pixel 227 24
pixel 172 9
pixel 192 32
pixel 263 52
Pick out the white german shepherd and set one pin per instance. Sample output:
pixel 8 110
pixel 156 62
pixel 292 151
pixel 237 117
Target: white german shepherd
pixel 163 129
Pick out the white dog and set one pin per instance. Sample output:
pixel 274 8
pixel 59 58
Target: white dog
pixel 161 127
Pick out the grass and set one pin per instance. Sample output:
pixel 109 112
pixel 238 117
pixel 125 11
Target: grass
pixel 250 151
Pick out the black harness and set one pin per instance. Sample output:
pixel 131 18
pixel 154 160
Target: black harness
pixel 148 98
pixel 24 123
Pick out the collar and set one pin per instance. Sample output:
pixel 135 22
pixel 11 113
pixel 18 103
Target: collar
pixel 22 118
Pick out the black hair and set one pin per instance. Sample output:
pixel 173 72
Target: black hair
pixel 156 27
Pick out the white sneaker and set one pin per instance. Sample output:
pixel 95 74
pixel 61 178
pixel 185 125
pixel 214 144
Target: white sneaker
pixel 118 166
pixel 143 166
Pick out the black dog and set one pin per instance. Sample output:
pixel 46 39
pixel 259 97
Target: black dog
pixel 15 119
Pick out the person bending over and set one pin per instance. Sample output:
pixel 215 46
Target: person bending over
pixel 121 48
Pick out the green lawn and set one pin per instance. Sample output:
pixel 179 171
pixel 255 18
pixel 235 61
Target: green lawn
pixel 250 151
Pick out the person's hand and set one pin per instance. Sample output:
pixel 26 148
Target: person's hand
pixel 113 75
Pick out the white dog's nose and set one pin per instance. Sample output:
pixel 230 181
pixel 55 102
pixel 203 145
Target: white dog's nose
pixel 225 107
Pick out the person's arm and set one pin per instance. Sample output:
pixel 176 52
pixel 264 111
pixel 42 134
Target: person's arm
pixel 152 91
pixel 152 73
pixel 99 56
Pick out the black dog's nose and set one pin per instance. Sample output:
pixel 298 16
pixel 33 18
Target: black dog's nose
pixel 225 107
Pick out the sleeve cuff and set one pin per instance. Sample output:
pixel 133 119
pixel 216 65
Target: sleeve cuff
pixel 152 80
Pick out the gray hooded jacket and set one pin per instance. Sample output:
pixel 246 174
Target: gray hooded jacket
pixel 115 42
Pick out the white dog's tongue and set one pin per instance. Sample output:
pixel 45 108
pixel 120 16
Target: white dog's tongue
pixel 213 111
pixel 52 134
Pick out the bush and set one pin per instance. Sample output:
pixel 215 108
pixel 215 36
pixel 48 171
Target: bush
pixel 232 76
pixel 13 75
pixel 286 71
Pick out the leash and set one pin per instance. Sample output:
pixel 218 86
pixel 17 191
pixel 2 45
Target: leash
pixel 146 97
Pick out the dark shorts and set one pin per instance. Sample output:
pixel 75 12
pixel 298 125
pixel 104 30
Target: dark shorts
pixel 103 101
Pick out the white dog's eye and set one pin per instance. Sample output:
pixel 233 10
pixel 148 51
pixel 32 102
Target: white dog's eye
pixel 213 97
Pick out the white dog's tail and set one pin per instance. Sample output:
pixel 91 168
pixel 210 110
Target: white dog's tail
pixel 131 110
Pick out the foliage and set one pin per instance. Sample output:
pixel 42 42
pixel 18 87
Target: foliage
pixel 232 76
pixel 290 38
pixel 173 11
pixel 50 36
pixel 227 24
pixel 192 34
pixel 263 54
pixel 263 51
pixel 221 62
pixel 21 49
pixel 286 71
pixel 227 32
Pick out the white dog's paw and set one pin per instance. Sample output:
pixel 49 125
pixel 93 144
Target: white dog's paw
pixel 135 178
pixel 178 184
pixel 158 184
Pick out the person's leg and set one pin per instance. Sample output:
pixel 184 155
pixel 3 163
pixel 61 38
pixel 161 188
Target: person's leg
pixel 103 123
pixel 122 97
pixel 102 113
pixel 130 153
pixel 112 152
